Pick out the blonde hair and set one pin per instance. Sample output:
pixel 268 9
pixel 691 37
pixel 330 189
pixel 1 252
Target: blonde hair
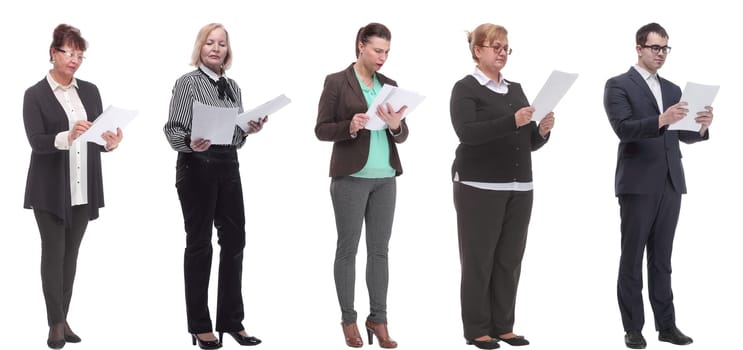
pixel 201 39
pixel 486 32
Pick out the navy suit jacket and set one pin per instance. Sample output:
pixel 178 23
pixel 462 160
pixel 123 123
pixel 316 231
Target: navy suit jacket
pixel 647 155
pixel 48 182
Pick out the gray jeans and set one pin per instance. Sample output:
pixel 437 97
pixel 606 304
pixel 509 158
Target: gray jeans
pixel 357 201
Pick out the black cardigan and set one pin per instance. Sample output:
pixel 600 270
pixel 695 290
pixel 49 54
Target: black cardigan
pixel 48 181
pixel 491 147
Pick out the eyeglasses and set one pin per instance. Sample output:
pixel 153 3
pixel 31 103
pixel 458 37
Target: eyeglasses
pixel 497 49
pixel 657 48
pixel 70 54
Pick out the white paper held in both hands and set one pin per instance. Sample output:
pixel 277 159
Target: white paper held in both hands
pixel 111 119
pixel 553 90
pixel 697 96
pixel 396 97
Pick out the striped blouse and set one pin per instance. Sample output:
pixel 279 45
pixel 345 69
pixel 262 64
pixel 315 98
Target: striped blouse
pixel 197 86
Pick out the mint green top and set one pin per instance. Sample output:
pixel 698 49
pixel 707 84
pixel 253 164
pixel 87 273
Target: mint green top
pixel 378 163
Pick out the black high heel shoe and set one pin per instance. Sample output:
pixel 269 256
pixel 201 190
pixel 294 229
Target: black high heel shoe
pixel 241 339
pixel 206 344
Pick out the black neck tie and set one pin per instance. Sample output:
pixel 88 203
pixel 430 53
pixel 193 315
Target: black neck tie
pixel 223 88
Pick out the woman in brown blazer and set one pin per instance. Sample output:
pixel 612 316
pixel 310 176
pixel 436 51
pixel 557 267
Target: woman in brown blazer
pixel 363 167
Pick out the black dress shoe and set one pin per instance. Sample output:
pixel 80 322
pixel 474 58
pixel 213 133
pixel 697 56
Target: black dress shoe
pixel 674 336
pixel 634 340
pixel 485 344
pixel 518 340
pixel 241 339
pixel 55 344
pixel 206 344
pixel 56 336
pixel 69 335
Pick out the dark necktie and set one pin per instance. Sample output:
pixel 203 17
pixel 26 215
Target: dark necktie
pixel 223 87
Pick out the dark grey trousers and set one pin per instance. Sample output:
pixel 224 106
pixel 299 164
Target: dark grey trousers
pixel 492 228
pixel 60 244
pixel 358 201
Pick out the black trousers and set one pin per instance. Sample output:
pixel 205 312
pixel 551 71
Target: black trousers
pixel 210 192
pixel 648 221
pixel 492 227
pixel 60 244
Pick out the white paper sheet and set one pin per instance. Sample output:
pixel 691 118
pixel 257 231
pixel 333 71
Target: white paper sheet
pixel 109 120
pixel 216 124
pixel 261 111
pixel 396 97
pixel 697 96
pixel 551 93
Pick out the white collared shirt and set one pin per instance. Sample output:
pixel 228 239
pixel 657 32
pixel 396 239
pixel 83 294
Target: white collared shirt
pixel 500 87
pixel 654 85
pixel 70 101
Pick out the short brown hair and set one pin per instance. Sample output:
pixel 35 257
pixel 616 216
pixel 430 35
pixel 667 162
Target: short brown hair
pixel 486 32
pixel 201 39
pixel 66 34
pixel 642 34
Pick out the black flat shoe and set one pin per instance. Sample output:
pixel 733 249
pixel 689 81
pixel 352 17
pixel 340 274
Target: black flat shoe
pixel 55 344
pixel 241 339
pixel 518 340
pixel 206 344
pixel 674 336
pixel 56 340
pixel 485 344
pixel 69 335
pixel 634 340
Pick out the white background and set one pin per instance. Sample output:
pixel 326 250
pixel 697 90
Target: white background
pixel 129 290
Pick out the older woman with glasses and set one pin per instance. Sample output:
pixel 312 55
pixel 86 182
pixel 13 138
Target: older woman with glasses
pixel 64 186
pixel 493 187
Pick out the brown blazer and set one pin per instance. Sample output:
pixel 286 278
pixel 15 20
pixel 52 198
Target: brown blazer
pixel 341 99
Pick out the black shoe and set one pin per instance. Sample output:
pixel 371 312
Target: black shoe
pixel 69 335
pixel 674 336
pixel 634 340
pixel 206 344
pixel 518 340
pixel 55 344
pixel 241 339
pixel 56 336
pixel 485 344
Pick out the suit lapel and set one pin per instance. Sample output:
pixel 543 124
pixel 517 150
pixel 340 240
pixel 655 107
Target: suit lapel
pixel 643 85
pixel 353 84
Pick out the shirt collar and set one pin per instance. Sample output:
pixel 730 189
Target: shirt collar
pixel 484 80
pixel 210 73
pixel 55 85
pixel 644 73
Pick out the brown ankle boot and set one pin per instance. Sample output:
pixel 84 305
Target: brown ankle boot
pixel 351 333
pixel 380 330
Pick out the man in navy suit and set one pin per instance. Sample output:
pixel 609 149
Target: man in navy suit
pixel 649 182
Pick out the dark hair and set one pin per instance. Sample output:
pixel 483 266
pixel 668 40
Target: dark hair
pixel 642 34
pixel 371 30
pixel 67 34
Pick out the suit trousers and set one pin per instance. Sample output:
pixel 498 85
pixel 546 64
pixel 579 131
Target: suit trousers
pixel 60 244
pixel 358 201
pixel 492 227
pixel 210 192
pixel 648 221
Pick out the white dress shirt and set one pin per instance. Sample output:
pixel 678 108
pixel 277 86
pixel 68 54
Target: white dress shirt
pixel 73 107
